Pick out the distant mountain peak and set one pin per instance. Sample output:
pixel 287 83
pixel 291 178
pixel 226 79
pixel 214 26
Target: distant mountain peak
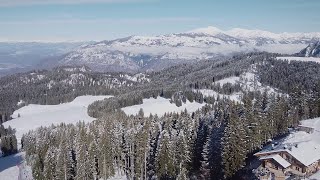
pixel 246 33
pixel 136 53
pixel 312 50
pixel 210 30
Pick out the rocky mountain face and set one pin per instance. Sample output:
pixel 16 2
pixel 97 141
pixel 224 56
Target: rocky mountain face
pixel 312 50
pixel 136 53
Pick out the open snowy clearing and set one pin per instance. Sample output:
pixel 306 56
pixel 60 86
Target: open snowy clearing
pixel 231 80
pixel 301 136
pixel 34 116
pixel 211 93
pixel 160 106
pixel 306 59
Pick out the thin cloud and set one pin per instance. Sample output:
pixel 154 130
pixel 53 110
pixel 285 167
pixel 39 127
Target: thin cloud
pixel 9 3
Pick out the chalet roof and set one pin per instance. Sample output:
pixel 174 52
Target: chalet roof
pixel 278 159
pixel 305 152
pixel 306 126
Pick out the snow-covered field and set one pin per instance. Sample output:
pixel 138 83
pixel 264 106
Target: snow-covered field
pixel 306 59
pixel 34 116
pixel 301 136
pixel 231 80
pixel 160 106
pixel 211 93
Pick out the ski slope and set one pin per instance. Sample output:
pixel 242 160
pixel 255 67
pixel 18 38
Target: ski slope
pixel 34 116
pixel 160 106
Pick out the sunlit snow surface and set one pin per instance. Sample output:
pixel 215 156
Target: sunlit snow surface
pixel 34 116
pixel 160 106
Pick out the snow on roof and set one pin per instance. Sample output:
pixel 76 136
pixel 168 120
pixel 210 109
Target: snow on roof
pixel 305 126
pixel 306 152
pixel 278 159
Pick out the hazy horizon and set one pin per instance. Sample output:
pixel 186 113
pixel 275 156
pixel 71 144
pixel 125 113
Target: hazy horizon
pixel 95 20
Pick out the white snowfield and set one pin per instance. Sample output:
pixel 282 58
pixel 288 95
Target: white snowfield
pixel 160 106
pixel 231 80
pixel 305 59
pixel 34 116
pixel 211 93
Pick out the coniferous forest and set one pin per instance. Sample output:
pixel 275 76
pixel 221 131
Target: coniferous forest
pixel 215 142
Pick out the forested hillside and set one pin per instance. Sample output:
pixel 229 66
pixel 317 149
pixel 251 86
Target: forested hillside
pixel 8 141
pixel 60 85
pixel 211 143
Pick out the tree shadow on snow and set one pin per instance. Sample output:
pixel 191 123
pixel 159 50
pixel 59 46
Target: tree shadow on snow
pixel 10 161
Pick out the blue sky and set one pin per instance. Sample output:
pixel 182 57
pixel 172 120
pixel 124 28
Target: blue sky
pixel 65 20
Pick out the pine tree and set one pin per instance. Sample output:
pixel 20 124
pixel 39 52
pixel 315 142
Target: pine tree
pixel 165 164
pixel 205 164
pixel 50 164
pixel 65 164
pixel 234 145
pixel 215 151
pixel 37 168
pixel 93 160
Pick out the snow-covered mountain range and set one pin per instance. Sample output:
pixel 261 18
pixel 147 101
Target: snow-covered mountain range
pixel 312 50
pixel 153 53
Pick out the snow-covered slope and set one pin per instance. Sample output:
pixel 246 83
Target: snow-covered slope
pixel 142 52
pixel 160 106
pixel 312 50
pixel 211 93
pixel 34 116
pixel 248 81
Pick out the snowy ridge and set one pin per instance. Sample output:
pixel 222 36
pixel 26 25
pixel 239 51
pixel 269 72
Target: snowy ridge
pixel 312 50
pixel 137 52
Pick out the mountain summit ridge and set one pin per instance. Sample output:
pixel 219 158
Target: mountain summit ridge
pixel 135 53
